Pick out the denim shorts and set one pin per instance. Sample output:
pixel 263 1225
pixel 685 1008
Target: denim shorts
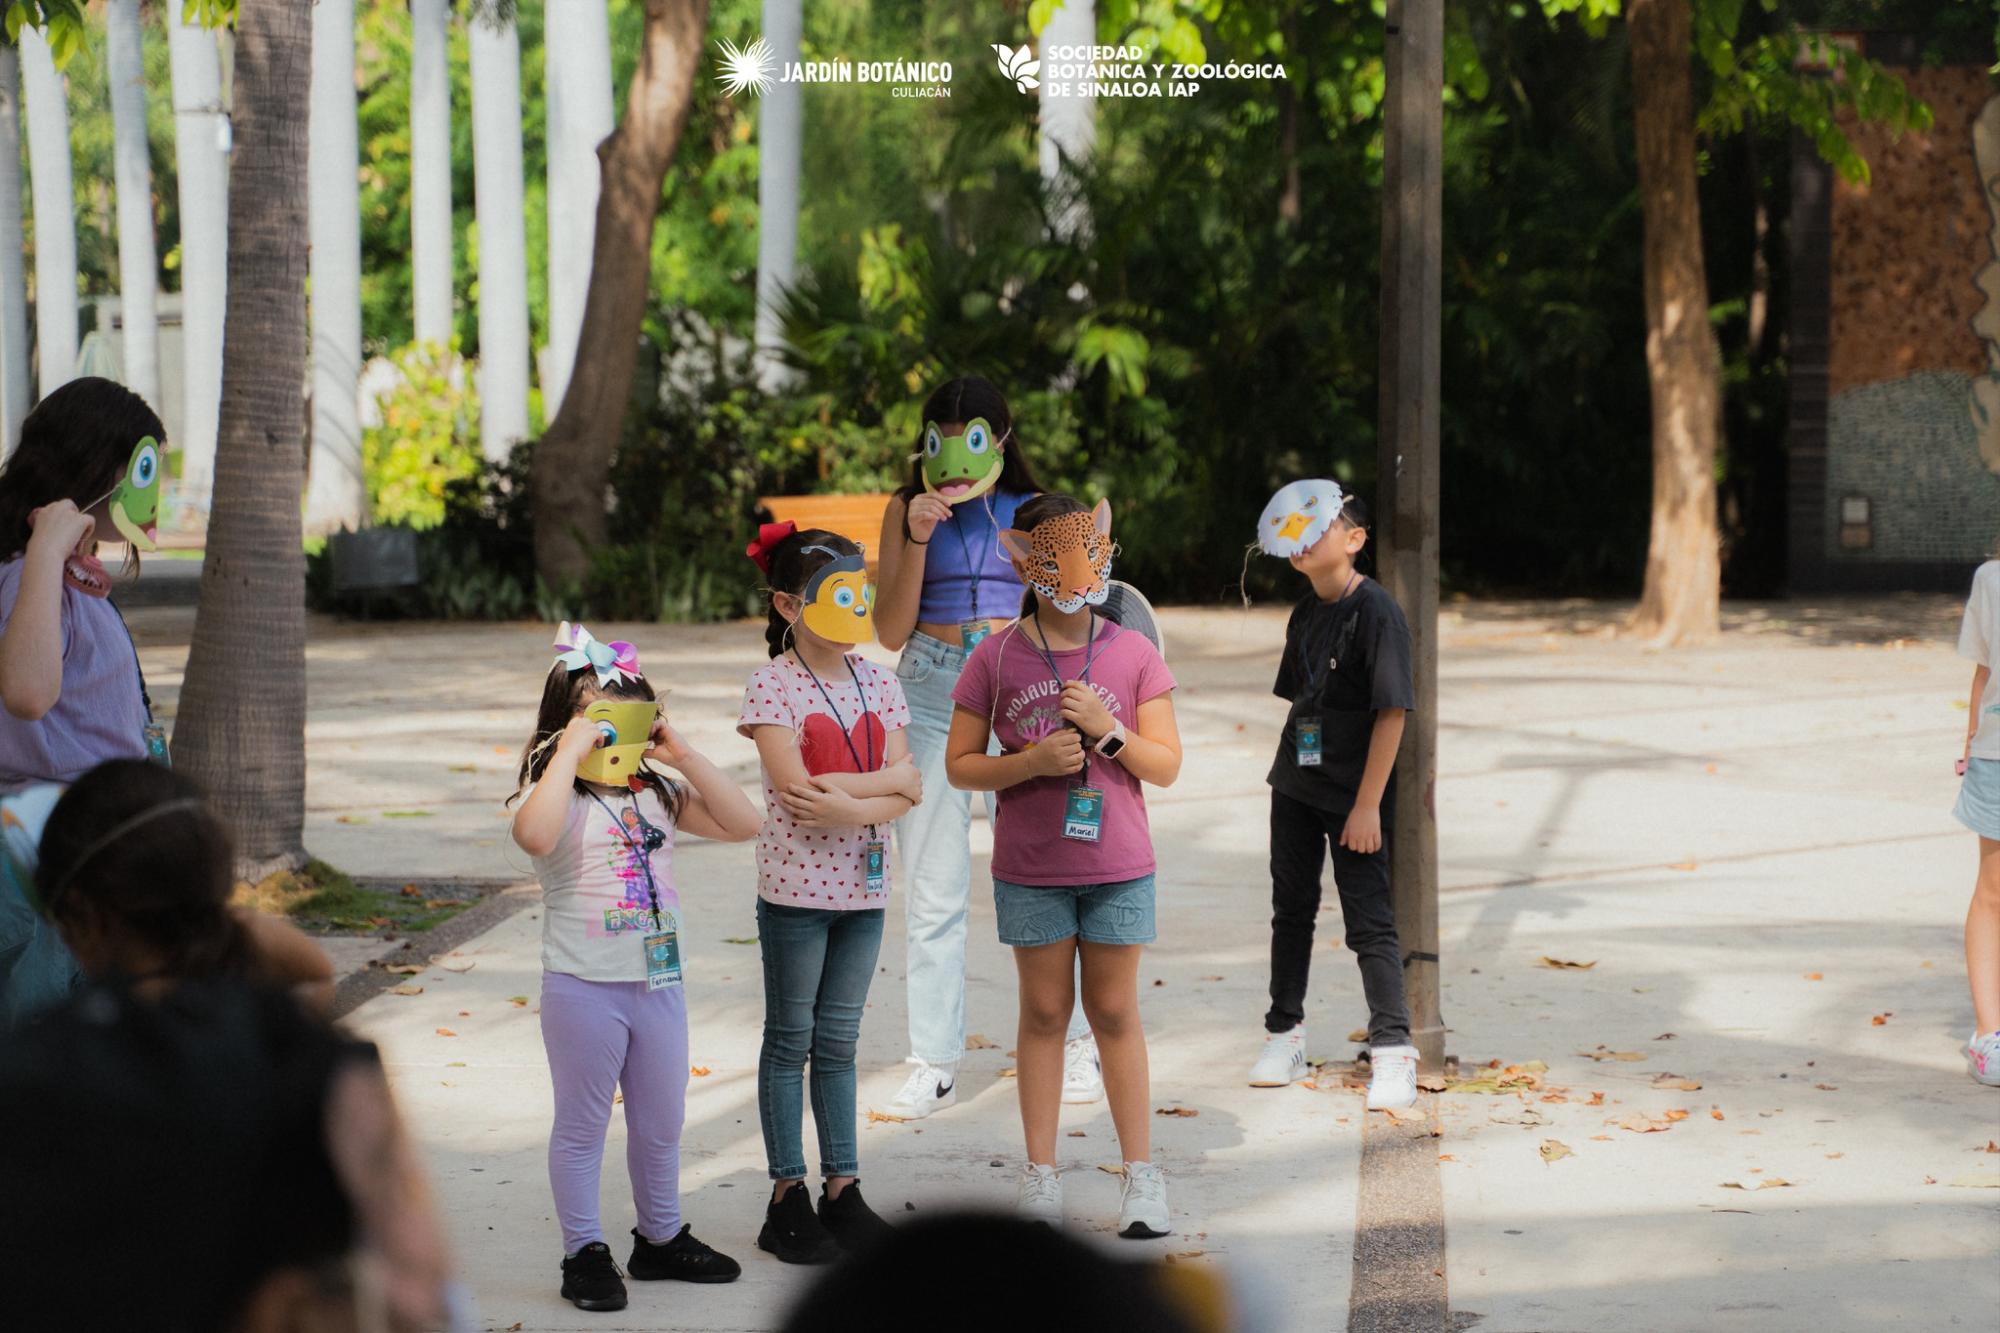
pixel 1032 914
pixel 1978 805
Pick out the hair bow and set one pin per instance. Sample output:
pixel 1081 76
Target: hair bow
pixel 768 537
pixel 576 649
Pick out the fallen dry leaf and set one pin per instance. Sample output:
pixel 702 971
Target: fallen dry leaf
pixel 1564 964
pixel 1677 1115
pixel 1815 976
pixel 1176 1110
pixel 700 1071
pixel 1827 1087
pixel 1879 1020
pixel 1361 1034
pixel 1678 1082
pixel 1641 1123
pixel 1835 1156
pixel 1006 1073
pixel 1715 1113
pixel 412 891
pixel 518 1001
pixel 1666 1036
pixel 446 1032
pixel 1446 1157
pixel 1774 1183
pixel 1596 1099
pixel 1210 978
pixel 875 1117
pixel 1685 865
pixel 977 1042
pixel 453 967
pixel 1111 1170
pixel 739 939
pixel 351 819
pixel 1077 1134
pixel 1603 1053
pixel 1554 1097
pixel 465 1013
pixel 1991 1146
pixel 1554 1150
pixel 1600 1138
pixel 402 969
pixel 406 990
pixel 1158 982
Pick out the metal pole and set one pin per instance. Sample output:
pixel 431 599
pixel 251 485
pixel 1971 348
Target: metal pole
pixel 1407 457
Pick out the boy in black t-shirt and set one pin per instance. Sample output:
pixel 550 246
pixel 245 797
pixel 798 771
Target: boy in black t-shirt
pixel 1346 673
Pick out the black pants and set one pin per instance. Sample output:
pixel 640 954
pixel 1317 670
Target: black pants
pixel 1300 836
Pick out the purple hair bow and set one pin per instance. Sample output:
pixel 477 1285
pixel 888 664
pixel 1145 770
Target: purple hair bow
pixel 576 649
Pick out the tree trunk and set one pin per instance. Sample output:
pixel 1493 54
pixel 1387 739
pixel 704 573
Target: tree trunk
pixel 55 213
pixel 201 159
pixel 503 238
pixel 779 113
pixel 138 262
pixel 430 170
pixel 1683 589
pixel 241 731
pixel 1069 123
pixel 15 394
pixel 336 489
pixel 576 64
pixel 573 460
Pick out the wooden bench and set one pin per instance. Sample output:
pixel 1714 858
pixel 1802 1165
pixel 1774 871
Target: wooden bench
pixel 856 517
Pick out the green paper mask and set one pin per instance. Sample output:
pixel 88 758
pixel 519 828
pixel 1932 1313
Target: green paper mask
pixel 135 505
pixel 958 468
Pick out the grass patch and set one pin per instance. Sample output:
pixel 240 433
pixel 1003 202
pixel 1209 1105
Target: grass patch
pixel 324 900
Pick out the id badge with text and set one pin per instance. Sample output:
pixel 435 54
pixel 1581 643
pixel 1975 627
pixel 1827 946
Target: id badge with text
pixel 875 857
pixel 1083 814
pixel 1309 734
pixel 663 959
pixel 970 632
pixel 156 745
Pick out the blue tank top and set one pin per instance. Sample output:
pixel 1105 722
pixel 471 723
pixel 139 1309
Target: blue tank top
pixel 967 576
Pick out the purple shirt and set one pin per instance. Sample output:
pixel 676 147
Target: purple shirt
pixel 966 545
pixel 99 716
pixel 1007 680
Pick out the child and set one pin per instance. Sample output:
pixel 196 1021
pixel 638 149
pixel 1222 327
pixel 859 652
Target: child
pixel 1346 674
pixel 613 1013
pixel 135 872
pixel 1979 810
pixel 831 731
pixel 1084 712
pixel 88 464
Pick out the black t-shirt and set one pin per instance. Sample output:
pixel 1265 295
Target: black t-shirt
pixel 1343 661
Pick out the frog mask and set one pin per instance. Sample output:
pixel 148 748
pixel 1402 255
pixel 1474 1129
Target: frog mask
pixel 621 757
pixel 135 504
pixel 958 468
pixel 838 603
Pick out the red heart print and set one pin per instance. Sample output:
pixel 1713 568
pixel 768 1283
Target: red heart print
pixel 825 750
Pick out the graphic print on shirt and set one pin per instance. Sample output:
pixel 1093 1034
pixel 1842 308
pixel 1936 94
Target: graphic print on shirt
pixel 630 849
pixel 1035 713
pixel 825 750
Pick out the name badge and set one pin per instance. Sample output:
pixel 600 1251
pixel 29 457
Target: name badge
pixel 663 960
pixel 1083 814
pixel 876 858
pixel 970 632
pixel 1310 751
pixel 156 745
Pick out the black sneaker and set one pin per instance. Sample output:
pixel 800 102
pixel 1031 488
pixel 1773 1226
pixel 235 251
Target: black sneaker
pixel 591 1281
pixel 683 1258
pixel 849 1219
pixel 793 1233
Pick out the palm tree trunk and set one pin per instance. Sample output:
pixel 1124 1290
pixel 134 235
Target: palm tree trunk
pixel 1681 602
pixel 138 262
pixel 576 61
pixel 336 490
pixel 14 391
pixel 573 460
pixel 241 730
pixel 503 239
pixel 55 213
pixel 430 169
pixel 201 130
pixel 1069 122
pixel 779 111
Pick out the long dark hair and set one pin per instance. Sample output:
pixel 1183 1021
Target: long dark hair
pixel 166 882
pixel 960 400
pixel 567 693
pixel 793 563
pixel 74 446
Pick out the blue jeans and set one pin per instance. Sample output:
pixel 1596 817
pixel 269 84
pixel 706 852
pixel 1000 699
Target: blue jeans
pixel 935 840
pixel 817 966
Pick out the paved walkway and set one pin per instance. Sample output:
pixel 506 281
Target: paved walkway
pixel 1749 843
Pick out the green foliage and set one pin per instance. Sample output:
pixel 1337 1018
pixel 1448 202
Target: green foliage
pixel 61 22
pixel 428 439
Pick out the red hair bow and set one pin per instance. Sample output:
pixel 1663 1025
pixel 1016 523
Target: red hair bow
pixel 768 537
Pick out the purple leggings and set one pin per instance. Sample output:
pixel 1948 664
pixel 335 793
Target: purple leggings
pixel 600 1035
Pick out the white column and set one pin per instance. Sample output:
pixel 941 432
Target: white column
pixel 779 110
pixel 503 243
pixel 132 162
pixel 201 157
pixel 336 491
pixel 14 390
pixel 430 169
pixel 576 49
pixel 1069 123
pixel 55 212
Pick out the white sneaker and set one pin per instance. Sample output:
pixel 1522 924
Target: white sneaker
pixel 929 1088
pixel 1283 1061
pixel 1392 1084
pixel 1083 1076
pixel 1041 1194
pixel 1142 1203
pixel 1982 1058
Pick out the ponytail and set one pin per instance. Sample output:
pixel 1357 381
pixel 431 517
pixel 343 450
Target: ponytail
pixel 789 564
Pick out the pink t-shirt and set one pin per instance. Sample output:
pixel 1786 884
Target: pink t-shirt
pixel 821 867
pixel 1007 680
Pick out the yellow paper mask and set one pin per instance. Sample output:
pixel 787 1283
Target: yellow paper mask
pixel 839 602
pixel 615 761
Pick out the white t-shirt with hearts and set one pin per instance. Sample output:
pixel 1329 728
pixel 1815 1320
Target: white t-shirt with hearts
pixel 822 867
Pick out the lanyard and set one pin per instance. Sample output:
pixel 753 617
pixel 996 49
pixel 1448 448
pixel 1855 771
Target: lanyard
pixel 840 721
pixel 644 857
pixel 1316 675
pixel 965 549
pixel 1089 656
pixel 144 697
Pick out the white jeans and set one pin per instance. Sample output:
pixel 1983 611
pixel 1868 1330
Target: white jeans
pixel 935 842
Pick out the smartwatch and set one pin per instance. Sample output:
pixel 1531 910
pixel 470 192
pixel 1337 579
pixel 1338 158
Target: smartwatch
pixel 1112 742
